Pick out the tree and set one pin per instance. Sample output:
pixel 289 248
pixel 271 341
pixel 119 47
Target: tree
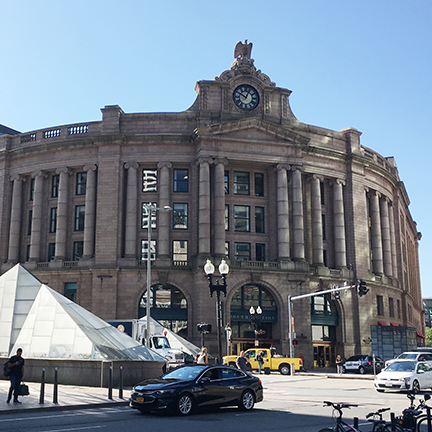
pixel 428 337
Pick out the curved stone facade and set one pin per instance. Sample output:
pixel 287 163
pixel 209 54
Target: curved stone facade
pixel 295 208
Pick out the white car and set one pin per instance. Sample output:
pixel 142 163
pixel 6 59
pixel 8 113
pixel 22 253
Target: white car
pixel 404 375
pixel 412 355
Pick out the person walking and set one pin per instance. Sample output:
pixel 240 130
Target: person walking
pixel 242 361
pixel 260 360
pixel 203 357
pixel 16 365
pixel 339 365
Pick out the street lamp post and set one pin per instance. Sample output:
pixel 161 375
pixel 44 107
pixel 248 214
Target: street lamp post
pixel 255 320
pixel 209 271
pixel 150 209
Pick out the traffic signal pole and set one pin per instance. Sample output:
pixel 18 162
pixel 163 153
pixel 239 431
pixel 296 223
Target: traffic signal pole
pixel 291 298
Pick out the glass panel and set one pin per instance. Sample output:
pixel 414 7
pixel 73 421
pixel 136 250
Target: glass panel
pixel 144 250
pixel 181 178
pixel 180 216
pixel 259 220
pixel 81 183
pixel 180 250
pixel 145 215
pixel 241 218
pixel 77 250
pixel 53 220
pixel 259 184
pixel 149 180
pixel 260 252
pixel 241 183
pixel 54 185
pixel 242 251
pixel 226 217
pixel 251 296
pixel 226 182
pixel 79 218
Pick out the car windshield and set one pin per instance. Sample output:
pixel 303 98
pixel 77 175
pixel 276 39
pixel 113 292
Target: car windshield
pixel 186 373
pixel 401 367
pixel 407 356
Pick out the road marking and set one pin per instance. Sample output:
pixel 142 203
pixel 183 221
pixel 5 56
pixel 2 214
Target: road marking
pixel 73 429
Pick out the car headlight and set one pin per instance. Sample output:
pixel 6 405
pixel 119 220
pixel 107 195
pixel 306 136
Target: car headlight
pixel 406 380
pixel 162 392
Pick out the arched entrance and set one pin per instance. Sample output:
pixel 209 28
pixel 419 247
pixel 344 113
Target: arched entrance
pixel 257 330
pixel 168 306
pixel 324 321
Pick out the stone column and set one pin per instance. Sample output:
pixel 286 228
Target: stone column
pixel 90 213
pixel 62 212
pixel 376 237
pixel 317 229
pixel 131 209
pixel 36 225
pixel 393 240
pixel 283 214
pixel 339 224
pixel 204 207
pixel 15 223
pixel 163 216
pixel 297 210
pixel 219 210
pixel 386 238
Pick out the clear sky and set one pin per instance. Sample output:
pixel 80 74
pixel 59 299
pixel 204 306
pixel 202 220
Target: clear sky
pixel 365 64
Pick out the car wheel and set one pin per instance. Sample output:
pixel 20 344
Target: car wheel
pixel 247 401
pixel 184 404
pixel 284 369
pixel 361 370
pixel 415 386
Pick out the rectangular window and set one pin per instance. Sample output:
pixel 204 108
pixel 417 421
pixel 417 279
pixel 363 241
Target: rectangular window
pixel 81 183
pixel 32 185
pixel 398 308
pixel 226 217
pixel 226 181
pixel 27 252
pixel 181 180
pixel 144 250
pixel 70 290
pixel 77 252
pixel 149 180
pixel 380 305
pixel 241 183
pixel 241 218
pixel 242 251
pixel 259 184
pixel 145 215
pixel 227 254
pixel 391 307
pixel 55 180
pixel 259 220
pixel 180 250
pixel 180 216
pixel 322 190
pixel 79 218
pixel 53 220
pixel 323 220
pixel 51 251
pixel 29 222
pixel 260 252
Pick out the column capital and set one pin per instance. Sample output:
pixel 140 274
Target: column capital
pixel 90 167
pixel 220 161
pixel 17 177
pixel 297 168
pixel 64 169
pixel 373 193
pixel 164 164
pixel 315 177
pixel 39 173
pixel 338 182
pixel 280 167
pixel 128 165
pixel 204 160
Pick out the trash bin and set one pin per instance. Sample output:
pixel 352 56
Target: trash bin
pixel 267 371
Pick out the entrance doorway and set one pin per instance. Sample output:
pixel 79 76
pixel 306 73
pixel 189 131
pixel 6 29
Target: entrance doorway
pixel 324 354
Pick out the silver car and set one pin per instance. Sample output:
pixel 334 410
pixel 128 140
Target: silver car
pixel 412 355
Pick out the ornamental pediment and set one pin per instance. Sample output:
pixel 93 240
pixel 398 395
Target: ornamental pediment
pixel 251 129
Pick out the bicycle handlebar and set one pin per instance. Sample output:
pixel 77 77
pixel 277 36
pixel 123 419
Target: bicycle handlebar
pixel 339 405
pixel 381 410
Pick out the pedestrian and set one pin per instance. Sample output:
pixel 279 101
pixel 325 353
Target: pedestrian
pixel 260 360
pixel 242 361
pixel 339 364
pixel 203 357
pixel 16 365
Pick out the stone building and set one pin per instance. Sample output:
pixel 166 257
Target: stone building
pixel 294 208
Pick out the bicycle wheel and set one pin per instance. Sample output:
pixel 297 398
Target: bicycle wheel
pixel 328 430
pixel 422 425
pixel 388 428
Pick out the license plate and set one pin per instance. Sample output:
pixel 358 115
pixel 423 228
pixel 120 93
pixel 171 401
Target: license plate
pixel 140 399
pixel 389 384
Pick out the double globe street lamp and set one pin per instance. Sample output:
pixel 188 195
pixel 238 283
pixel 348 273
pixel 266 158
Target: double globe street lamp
pixel 219 288
pixel 255 320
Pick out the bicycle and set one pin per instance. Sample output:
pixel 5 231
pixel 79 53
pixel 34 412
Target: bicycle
pixel 340 426
pixel 380 425
pixel 412 418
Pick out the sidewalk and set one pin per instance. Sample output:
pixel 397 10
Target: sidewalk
pixel 69 397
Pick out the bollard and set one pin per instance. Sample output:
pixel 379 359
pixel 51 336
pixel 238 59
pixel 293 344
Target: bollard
pixel 42 389
pixel 55 390
pixel 292 368
pixel 356 423
pixel 393 421
pixel 110 384
pixel 429 420
pixel 121 383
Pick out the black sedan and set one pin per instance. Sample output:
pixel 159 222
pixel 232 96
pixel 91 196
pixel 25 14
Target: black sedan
pixel 188 387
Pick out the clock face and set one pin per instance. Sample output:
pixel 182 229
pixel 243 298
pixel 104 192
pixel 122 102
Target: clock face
pixel 246 97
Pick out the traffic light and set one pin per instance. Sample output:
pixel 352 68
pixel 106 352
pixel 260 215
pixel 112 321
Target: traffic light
pixel 204 327
pixel 295 342
pixel 336 293
pixel 362 289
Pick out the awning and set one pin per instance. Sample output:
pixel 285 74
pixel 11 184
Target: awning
pixel 421 335
pixel 394 325
pixel 382 323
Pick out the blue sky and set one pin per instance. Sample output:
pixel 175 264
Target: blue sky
pixel 365 64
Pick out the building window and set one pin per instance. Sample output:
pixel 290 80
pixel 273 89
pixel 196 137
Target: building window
pixel 241 218
pixel 29 222
pixel 70 290
pixel 259 220
pixel 226 217
pixel 81 183
pixel 322 190
pixel 325 258
pixel 380 305
pixel 181 180
pixel 260 252
pixel 259 184
pixel 149 180
pixel 242 251
pixel 27 252
pixel 79 218
pixel 410 313
pixel 51 251
pixel 241 183
pixel 144 250
pixel 391 307
pixel 324 234
pixel 226 181
pixel 53 220
pixel 55 180
pixel 32 185
pixel 145 216
pixel 77 250
pixel 180 216
pixel 398 308
pixel 180 250
pixel 227 254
